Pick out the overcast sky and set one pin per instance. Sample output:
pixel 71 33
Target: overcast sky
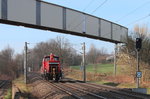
pixel 124 12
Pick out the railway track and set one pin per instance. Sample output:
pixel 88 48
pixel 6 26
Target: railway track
pixel 4 84
pixel 71 89
pixel 48 89
pixel 42 89
pixel 93 91
pixel 104 93
pixel 125 92
pixel 118 92
pixel 76 92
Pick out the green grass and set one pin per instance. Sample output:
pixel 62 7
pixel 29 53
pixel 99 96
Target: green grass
pixel 148 90
pixel 9 94
pixel 100 68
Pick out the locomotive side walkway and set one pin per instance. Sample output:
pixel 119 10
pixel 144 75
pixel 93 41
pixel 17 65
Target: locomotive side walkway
pixel 72 89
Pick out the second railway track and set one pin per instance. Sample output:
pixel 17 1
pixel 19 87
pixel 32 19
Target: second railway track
pixel 124 92
pixel 94 91
pixel 4 85
pixel 77 92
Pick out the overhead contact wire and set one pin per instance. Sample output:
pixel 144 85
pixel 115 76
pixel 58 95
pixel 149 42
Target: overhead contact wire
pixel 83 11
pixel 139 19
pixel 126 15
pixel 92 12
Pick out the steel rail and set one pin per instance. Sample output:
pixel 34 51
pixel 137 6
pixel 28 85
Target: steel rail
pixel 114 90
pixel 89 93
pixel 64 90
pixel 2 83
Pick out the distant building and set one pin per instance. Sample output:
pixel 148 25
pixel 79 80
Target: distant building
pixel 110 58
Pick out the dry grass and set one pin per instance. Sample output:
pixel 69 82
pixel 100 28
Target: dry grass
pixel 78 75
pixel 19 83
pixel 120 79
pixel 9 94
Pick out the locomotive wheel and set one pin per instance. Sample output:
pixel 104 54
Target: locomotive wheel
pixel 45 75
pixel 57 78
pixel 51 77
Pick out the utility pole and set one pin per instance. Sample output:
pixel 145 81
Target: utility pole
pixel 83 62
pixel 25 63
pixel 115 60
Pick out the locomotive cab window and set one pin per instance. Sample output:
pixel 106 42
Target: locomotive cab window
pixel 56 58
pixel 47 58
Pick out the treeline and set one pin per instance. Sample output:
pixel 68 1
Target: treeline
pixel 69 56
pixel 59 46
pixel 95 55
pixel 12 65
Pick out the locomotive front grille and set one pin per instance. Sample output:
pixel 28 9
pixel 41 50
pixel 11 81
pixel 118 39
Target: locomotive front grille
pixel 53 68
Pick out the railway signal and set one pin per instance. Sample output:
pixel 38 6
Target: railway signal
pixel 138 48
pixel 138 44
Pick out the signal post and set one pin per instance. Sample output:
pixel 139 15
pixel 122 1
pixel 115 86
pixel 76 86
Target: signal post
pixel 138 72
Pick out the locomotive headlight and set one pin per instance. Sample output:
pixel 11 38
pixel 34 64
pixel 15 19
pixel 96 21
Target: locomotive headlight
pixel 53 69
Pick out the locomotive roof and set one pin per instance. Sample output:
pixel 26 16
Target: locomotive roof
pixel 49 56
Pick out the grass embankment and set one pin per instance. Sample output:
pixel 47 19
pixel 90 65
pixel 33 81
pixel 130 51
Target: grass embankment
pixel 122 80
pixel 19 83
pixel 9 94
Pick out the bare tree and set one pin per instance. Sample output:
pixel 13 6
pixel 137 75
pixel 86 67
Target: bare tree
pixel 7 64
pixel 58 46
pixel 130 51
pixel 141 32
pixel 95 55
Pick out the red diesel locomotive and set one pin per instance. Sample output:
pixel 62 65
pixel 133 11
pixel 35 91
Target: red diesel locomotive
pixel 51 69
